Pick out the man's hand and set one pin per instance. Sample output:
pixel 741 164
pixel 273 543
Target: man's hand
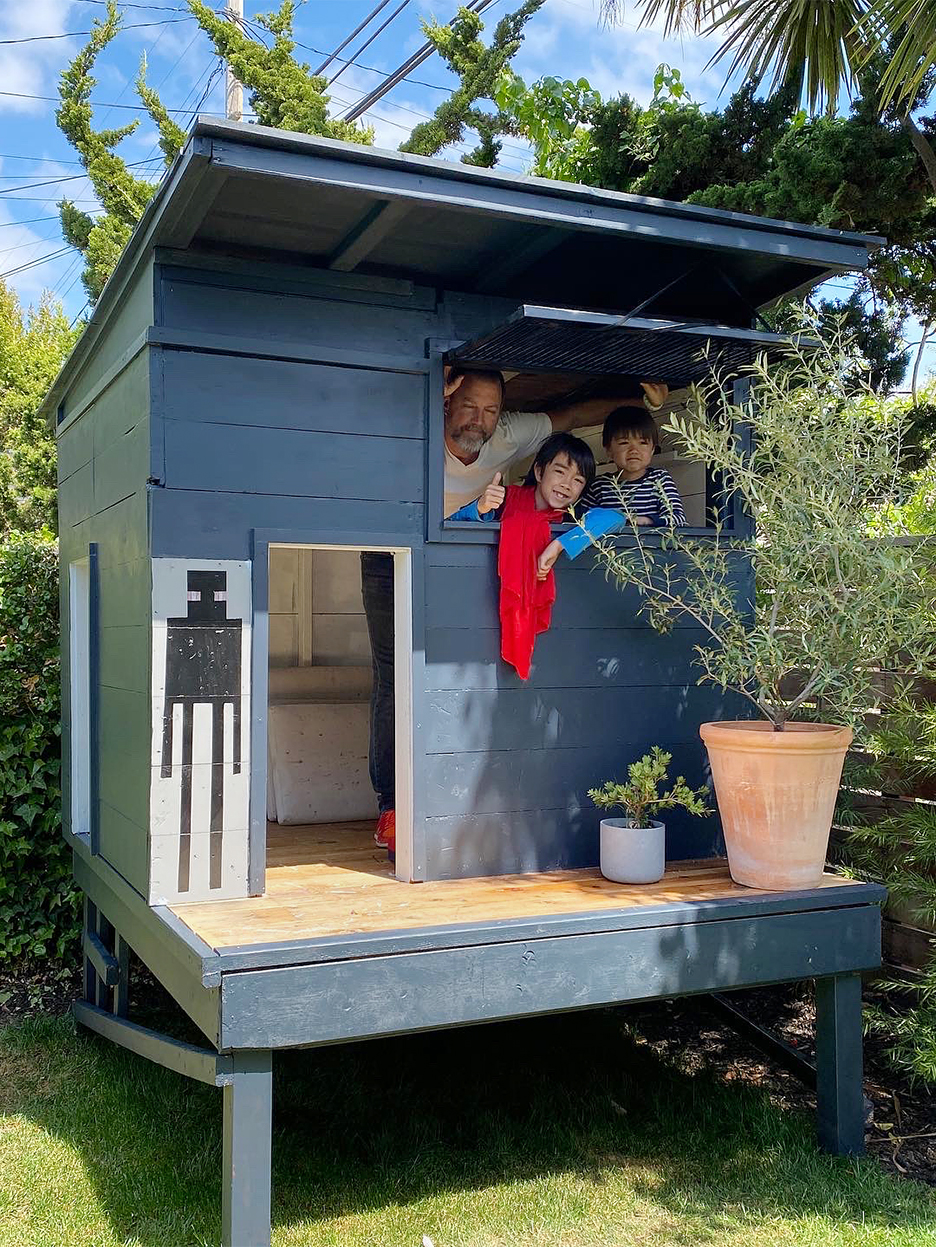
pixel 493 496
pixel 449 387
pixel 656 393
pixel 547 558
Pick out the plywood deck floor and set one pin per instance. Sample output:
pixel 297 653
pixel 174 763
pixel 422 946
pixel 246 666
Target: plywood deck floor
pixel 331 879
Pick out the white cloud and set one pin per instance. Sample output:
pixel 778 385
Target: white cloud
pixel 30 68
pixel 566 39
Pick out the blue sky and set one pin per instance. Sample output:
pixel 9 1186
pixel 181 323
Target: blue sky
pixel 564 38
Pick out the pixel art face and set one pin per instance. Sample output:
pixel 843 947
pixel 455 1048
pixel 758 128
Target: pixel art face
pixel 203 667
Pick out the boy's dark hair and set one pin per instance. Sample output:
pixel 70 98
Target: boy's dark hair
pixel 629 420
pixel 488 374
pixel 579 453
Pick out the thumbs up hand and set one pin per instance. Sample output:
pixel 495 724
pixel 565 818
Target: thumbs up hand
pixel 493 496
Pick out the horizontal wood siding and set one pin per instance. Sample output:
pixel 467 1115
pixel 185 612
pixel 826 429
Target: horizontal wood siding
pixel 225 458
pixel 122 330
pixel 284 394
pixel 104 462
pixel 509 763
pixel 323 317
pixel 219 526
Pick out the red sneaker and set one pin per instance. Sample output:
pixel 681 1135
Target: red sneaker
pixel 385 835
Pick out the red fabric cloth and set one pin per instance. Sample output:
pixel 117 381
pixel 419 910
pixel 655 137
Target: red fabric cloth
pixel 525 602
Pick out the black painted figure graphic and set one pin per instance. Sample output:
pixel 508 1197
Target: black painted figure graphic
pixel 203 667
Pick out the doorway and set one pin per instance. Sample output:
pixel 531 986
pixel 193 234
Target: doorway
pixel 321 805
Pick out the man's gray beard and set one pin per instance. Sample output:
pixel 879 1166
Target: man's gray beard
pixel 470 443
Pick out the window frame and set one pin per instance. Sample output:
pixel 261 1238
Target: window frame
pixel 462 532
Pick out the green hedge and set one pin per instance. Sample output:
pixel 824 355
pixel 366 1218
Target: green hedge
pixel 38 902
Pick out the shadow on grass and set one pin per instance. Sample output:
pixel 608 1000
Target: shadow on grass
pixel 363 1127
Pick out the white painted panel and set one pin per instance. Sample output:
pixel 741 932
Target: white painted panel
pixel 164 868
pixel 209 669
pixel 79 660
pixel 318 762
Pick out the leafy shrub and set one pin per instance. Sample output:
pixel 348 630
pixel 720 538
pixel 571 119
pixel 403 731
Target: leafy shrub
pixel 898 848
pixel 38 901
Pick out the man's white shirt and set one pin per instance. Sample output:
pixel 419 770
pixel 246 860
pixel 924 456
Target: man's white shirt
pixel 518 434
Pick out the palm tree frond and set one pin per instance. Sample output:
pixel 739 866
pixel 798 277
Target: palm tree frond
pixel 912 25
pixel 813 45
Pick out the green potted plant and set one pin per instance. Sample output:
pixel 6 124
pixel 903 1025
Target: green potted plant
pixel 633 847
pixel 834 601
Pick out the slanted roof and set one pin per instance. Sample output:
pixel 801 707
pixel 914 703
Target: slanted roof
pixel 312 201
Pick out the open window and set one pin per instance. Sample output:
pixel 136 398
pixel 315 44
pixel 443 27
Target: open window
pixel 554 357
pixel 321 805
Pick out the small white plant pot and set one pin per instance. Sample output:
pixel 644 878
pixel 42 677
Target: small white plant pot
pixel 632 854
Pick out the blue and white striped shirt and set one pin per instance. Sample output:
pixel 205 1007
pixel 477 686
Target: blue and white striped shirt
pixel 653 496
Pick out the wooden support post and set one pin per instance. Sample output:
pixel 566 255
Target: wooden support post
pixel 122 990
pixel 247 1151
pixel 90 973
pixel 839 1093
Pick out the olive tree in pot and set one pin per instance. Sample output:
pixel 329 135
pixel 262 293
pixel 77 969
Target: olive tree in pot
pixel 833 602
pixel 633 848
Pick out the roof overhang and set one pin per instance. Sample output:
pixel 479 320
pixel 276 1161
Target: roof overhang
pixel 250 190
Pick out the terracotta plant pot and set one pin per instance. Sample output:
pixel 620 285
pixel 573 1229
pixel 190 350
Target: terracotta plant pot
pixel 776 795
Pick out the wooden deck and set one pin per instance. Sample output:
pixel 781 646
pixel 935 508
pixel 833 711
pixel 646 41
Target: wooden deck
pixel 331 880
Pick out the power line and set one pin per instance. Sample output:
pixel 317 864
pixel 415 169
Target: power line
pixel 371 69
pixel 421 54
pixel 55 99
pixel 43 259
pixel 77 34
pixel 11 156
pixel 32 221
pixel 357 30
pixel 66 177
pixel 366 44
pixel 125 4
pixel 21 245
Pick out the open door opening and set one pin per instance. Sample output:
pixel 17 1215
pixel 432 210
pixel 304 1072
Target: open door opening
pixel 332 736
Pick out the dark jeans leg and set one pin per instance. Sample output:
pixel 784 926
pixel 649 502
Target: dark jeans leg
pixel 377 586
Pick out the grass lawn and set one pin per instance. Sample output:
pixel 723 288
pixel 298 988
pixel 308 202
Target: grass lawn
pixel 556 1133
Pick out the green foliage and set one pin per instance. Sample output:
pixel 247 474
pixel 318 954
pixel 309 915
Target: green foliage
pixel 640 798
pixel 550 114
pixel 480 68
pixel 33 345
pixel 122 196
pixel 283 91
pixel 898 849
pixel 831 602
pixel 812 46
pixel 37 897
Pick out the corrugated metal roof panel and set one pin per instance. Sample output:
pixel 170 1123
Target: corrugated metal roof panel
pixel 543 339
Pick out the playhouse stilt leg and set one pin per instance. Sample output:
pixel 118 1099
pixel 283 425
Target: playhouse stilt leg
pixel 248 1123
pixel 839 1093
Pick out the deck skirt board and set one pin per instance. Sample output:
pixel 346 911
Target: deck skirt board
pixel 329 883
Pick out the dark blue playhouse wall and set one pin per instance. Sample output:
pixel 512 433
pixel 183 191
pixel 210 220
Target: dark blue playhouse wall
pixel 298 398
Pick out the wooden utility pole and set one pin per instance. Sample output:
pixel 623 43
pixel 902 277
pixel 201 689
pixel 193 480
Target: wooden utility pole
pixel 233 91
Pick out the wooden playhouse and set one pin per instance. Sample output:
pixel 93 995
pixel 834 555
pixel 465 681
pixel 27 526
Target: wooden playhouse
pixel 258 399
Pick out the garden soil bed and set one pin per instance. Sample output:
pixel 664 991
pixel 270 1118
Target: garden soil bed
pixel 686 1032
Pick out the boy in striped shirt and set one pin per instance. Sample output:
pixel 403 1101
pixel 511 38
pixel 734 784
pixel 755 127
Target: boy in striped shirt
pixel 636 494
